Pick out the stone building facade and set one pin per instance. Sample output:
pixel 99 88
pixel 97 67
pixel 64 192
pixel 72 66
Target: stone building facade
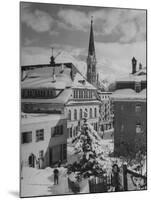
pixel 130 112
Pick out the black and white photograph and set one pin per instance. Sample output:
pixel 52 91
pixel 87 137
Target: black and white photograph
pixel 83 99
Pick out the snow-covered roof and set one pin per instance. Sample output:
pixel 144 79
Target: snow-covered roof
pixel 128 94
pixel 43 78
pixel 81 82
pixel 141 72
pixel 38 118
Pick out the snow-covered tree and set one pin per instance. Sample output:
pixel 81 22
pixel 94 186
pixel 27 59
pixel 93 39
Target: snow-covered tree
pixel 87 146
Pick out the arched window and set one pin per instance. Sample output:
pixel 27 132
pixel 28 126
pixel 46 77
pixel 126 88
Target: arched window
pixel 69 115
pixel 90 113
pixel 75 114
pixel 95 112
pixel 80 113
pixel 86 113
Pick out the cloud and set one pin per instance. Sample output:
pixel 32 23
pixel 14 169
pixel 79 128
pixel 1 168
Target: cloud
pixel 128 25
pixel 41 55
pixel 38 20
pixel 73 19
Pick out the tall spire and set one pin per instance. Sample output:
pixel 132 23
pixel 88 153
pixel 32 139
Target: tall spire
pixel 91 50
pixel 91 59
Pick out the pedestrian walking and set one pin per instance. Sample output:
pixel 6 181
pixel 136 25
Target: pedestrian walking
pixel 56 176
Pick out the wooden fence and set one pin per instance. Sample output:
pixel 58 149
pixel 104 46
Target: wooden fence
pixel 132 174
pixel 98 184
pixel 104 184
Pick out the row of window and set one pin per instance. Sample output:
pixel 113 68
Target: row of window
pixel 27 136
pixel 35 93
pixel 82 114
pixel 82 94
pixel 138 108
pixel 39 108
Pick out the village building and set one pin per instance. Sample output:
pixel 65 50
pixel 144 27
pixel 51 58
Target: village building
pixel 130 112
pixel 43 139
pixel 60 89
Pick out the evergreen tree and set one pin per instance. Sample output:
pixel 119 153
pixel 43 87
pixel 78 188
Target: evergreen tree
pixel 87 146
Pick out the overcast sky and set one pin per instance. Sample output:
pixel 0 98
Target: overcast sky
pixel 119 35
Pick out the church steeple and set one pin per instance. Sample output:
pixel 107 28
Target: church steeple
pixel 91 59
pixel 91 50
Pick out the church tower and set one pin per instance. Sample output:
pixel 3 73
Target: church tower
pixel 91 59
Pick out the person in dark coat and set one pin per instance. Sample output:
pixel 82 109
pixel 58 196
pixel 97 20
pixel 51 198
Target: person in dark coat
pixel 115 178
pixel 56 176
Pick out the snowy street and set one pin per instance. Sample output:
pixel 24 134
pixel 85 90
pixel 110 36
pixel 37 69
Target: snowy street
pixel 38 182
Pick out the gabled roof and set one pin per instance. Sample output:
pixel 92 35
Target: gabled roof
pixel 42 77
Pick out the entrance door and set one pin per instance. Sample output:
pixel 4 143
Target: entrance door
pixel 31 160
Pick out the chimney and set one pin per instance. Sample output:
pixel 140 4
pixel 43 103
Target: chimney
pixel 134 63
pixel 140 66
